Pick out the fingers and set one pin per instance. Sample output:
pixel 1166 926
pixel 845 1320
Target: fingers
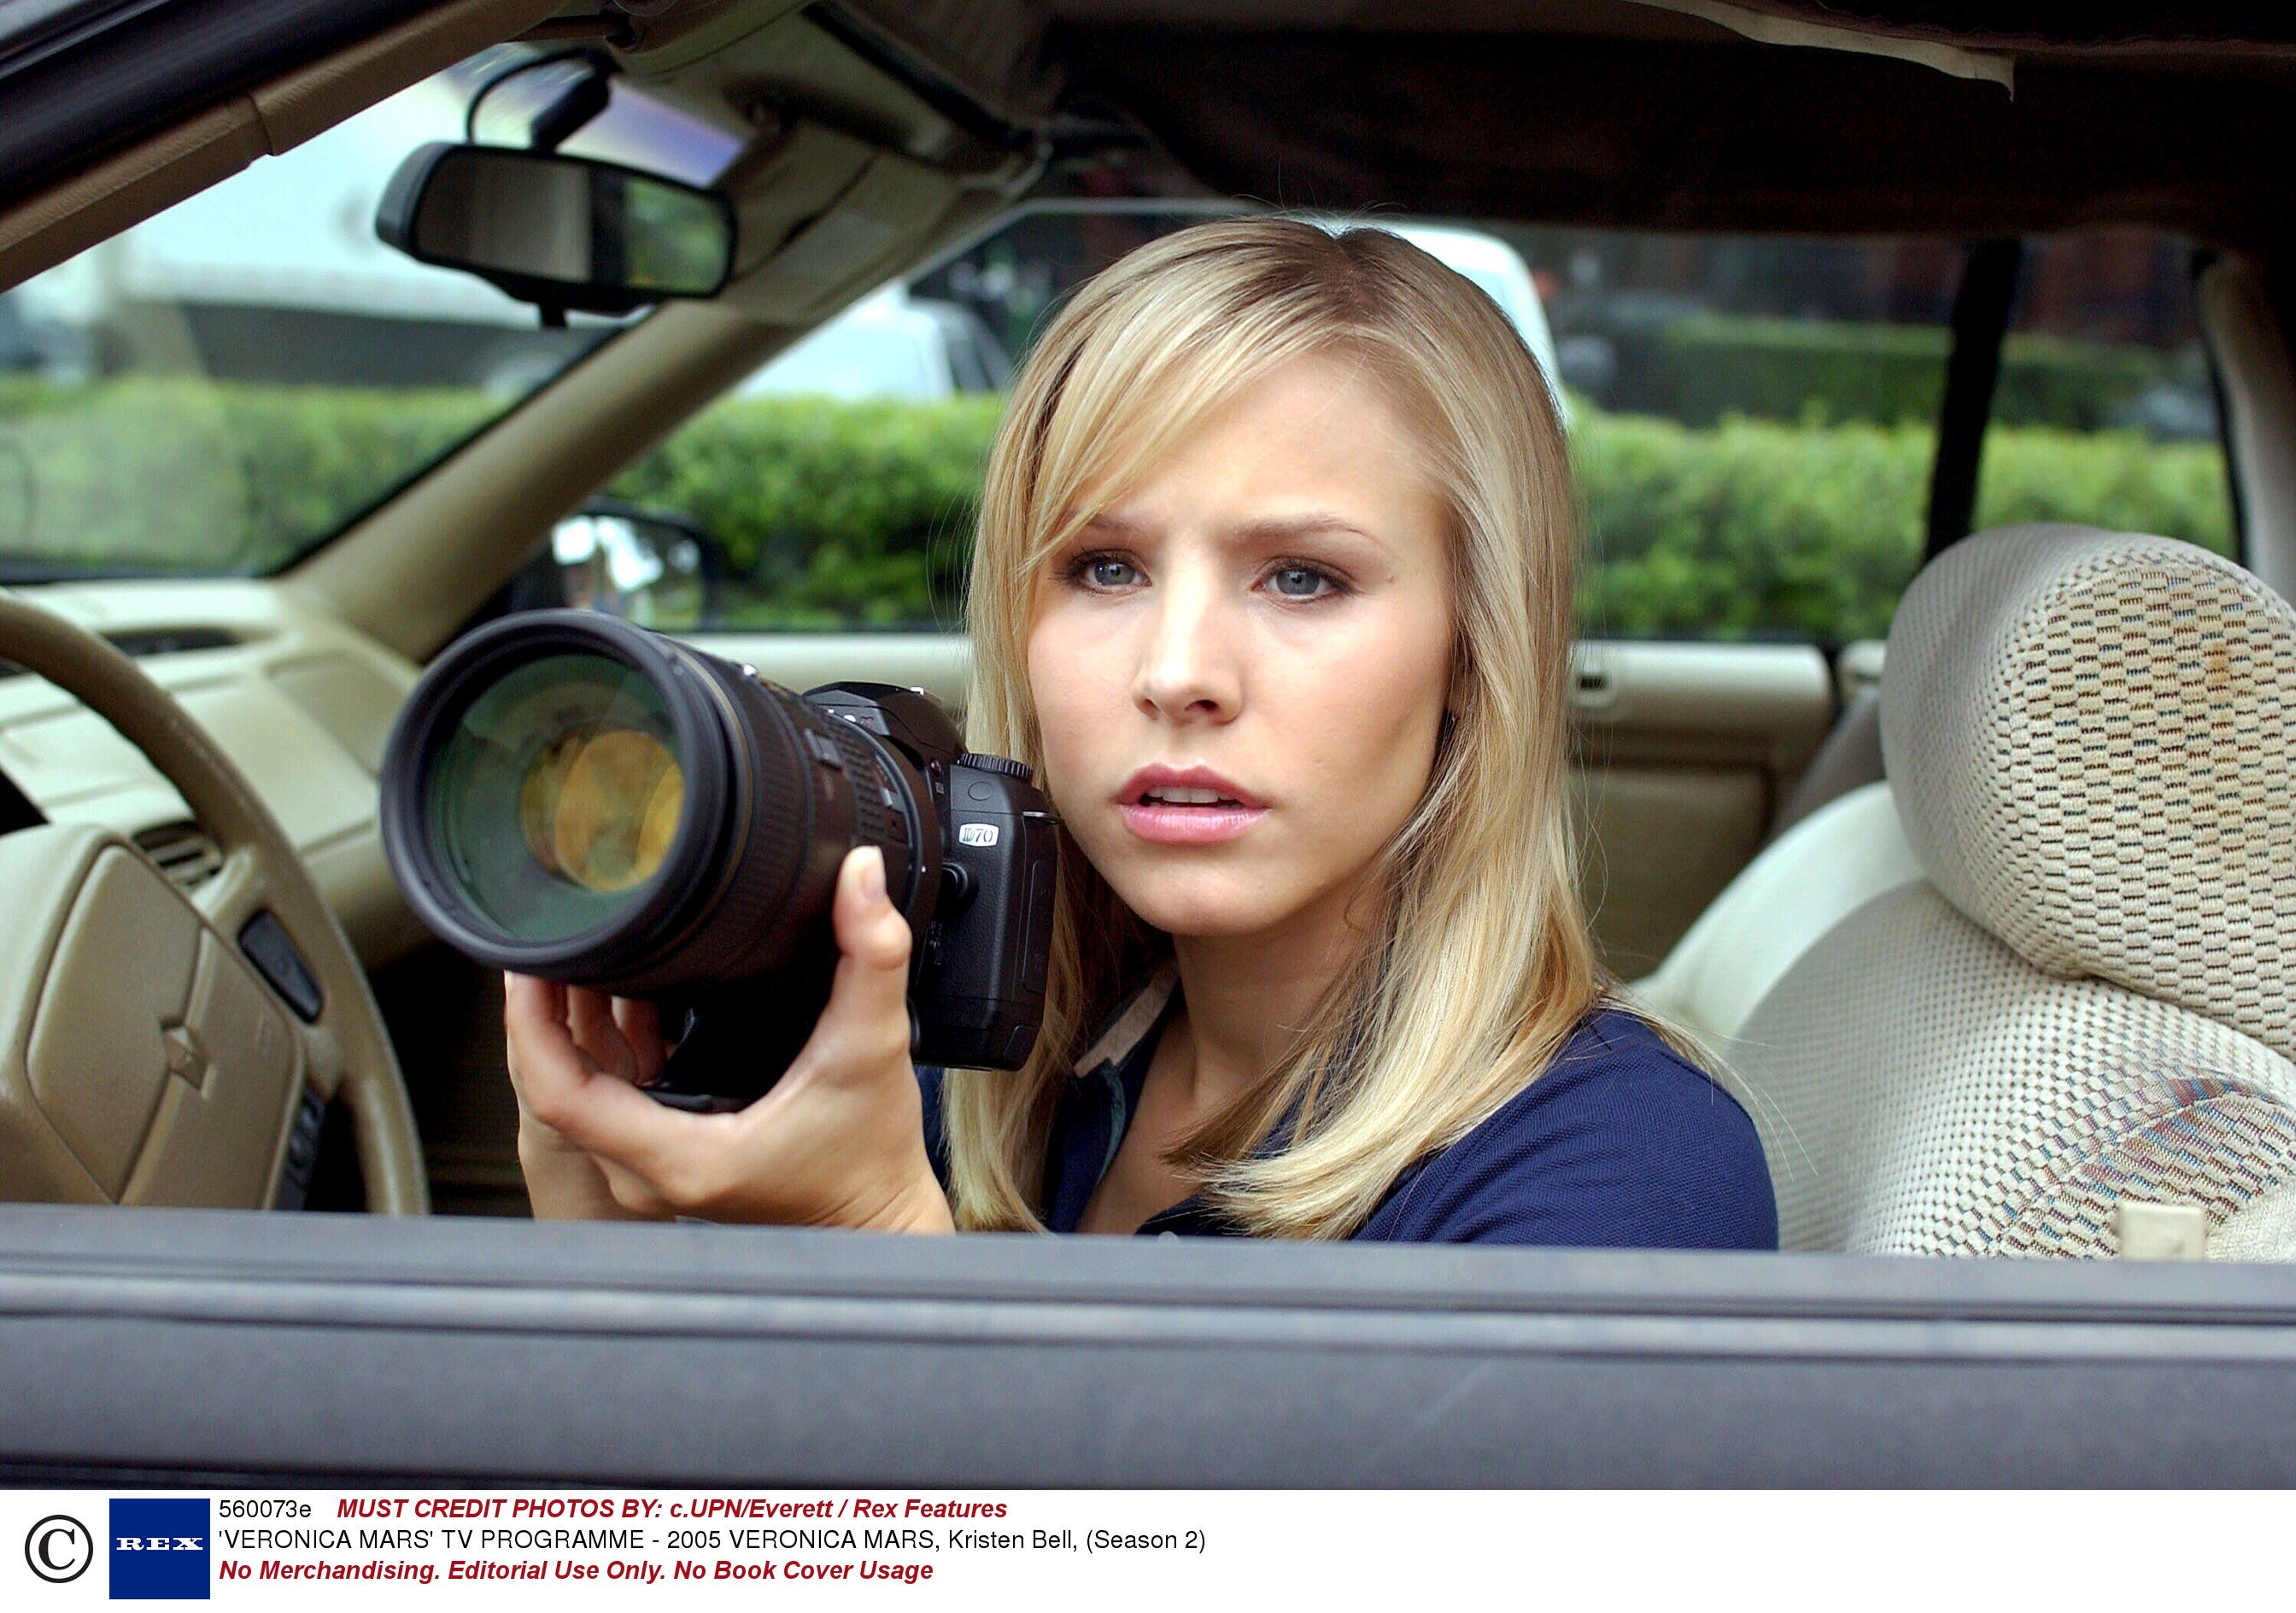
pixel 641 1027
pixel 818 1147
pixel 590 1015
pixel 622 1036
pixel 567 1089
pixel 534 1018
pixel 527 1000
pixel 867 1017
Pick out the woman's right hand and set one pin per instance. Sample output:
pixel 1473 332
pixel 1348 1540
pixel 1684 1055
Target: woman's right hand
pixel 616 1036
pixel 838 1141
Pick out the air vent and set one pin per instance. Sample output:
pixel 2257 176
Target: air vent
pixel 184 851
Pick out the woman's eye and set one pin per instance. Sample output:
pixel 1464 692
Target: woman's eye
pixel 1301 582
pixel 1099 572
pixel 1103 571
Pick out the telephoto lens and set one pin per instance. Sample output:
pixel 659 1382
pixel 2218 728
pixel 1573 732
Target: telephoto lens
pixel 571 796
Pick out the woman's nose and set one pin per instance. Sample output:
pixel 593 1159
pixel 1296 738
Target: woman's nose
pixel 1188 668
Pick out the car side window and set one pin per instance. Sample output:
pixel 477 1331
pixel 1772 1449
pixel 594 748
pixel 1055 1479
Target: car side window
pixel 1756 453
pixel 833 489
pixel 224 386
pixel 2106 410
pixel 836 487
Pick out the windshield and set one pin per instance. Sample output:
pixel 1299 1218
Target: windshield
pixel 226 384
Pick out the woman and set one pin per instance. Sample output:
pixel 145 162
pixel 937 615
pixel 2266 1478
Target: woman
pixel 1272 585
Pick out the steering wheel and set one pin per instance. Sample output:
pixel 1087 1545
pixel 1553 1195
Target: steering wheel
pixel 163 1049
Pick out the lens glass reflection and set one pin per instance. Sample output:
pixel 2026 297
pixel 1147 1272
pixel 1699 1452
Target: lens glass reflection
pixel 558 795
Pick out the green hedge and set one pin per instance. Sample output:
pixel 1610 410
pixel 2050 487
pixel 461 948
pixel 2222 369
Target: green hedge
pixel 1712 366
pixel 858 514
pixel 834 515
pixel 1757 528
pixel 191 474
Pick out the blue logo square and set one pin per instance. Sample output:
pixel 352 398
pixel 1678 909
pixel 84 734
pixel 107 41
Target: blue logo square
pixel 160 1549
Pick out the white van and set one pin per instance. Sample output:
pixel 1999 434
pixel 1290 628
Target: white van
pixel 889 345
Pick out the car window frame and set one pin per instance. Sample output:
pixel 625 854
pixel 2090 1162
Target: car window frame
pixel 198 1346
pixel 82 80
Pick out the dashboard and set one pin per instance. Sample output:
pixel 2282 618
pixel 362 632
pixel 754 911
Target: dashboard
pixel 302 704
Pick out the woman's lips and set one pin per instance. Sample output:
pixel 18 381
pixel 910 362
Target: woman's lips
pixel 1169 825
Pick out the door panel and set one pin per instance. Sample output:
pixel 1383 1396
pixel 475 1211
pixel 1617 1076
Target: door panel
pixel 1683 753
pixel 1658 842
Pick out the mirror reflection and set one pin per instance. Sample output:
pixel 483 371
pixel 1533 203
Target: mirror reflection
pixel 564 229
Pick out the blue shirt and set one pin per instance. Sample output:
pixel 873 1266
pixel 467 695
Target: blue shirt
pixel 1620 1143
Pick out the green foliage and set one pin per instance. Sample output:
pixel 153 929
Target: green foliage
pixel 1756 528
pixel 1747 528
pixel 834 515
pixel 1714 365
pixel 859 516
pixel 2115 479
pixel 180 474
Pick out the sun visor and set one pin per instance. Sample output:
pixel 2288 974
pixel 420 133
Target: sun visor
pixel 992 51
pixel 824 216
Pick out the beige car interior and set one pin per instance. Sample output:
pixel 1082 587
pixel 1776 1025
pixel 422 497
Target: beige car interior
pixel 151 1065
pixel 191 788
pixel 2051 1010
pixel 1832 862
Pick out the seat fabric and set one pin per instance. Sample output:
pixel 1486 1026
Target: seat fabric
pixel 1825 867
pixel 2091 996
pixel 1921 1089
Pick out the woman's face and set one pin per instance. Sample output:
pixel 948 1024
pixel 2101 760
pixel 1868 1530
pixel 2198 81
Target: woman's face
pixel 1270 608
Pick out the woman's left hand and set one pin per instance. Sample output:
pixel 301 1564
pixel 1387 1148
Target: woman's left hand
pixel 838 1141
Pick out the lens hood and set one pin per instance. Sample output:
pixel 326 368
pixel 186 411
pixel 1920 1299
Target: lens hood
pixel 650 920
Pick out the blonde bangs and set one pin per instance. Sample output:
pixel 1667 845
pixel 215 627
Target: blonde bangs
pixel 1141 381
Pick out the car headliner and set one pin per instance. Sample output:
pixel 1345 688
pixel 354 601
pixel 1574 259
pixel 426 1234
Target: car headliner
pixel 1859 117
pixel 1622 114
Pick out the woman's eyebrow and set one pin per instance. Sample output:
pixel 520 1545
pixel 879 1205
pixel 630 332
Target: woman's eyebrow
pixel 1270 528
pixel 1313 524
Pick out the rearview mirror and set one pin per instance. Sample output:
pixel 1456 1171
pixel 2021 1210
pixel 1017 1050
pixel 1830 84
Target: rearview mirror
pixel 562 232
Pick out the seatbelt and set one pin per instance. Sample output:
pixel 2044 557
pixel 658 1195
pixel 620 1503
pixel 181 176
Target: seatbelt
pixel 1980 318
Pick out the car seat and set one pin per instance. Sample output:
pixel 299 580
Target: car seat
pixel 1832 862
pixel 1849 759
pixel 2071 1031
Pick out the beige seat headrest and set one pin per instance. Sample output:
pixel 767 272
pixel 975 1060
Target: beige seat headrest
pixel 2092 736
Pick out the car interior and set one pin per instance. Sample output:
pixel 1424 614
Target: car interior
pixel 1986 900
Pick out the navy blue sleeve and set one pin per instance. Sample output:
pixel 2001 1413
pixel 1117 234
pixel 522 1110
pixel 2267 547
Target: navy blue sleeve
pixel 1620 1144
pixel 928 1080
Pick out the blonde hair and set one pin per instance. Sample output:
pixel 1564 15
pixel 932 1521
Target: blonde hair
pixel 1478 964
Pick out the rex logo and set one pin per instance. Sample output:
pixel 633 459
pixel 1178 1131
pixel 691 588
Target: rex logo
pixel 160 1549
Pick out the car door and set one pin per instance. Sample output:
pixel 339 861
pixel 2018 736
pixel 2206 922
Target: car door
pixel 158 1347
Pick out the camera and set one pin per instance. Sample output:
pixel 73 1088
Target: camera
pixel 568 795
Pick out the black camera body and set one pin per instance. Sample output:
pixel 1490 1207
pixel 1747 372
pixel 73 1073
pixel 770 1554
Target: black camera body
pixel 571 796
pixel 977 967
